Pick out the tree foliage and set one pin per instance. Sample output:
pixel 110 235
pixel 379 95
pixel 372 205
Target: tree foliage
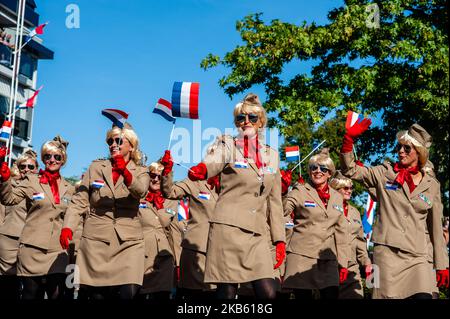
pixel 396 70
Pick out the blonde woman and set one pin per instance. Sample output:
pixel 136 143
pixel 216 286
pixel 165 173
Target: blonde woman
pixel 238 249
pixel 409 204
pixel 41 261
pixel 11 228
pixel 352 288
pixel 318 248
pixel 111 253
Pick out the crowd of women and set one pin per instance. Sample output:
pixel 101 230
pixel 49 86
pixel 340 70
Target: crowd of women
pixel 250 233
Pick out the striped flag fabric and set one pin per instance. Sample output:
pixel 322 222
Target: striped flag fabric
pixel 39 30
pixel 369 214
pixel 352 118
pixel 5 131
pixel 118 117
pixel 183 209
pixel 292 153
pixel 31 102
pixel 185 99
pixel 164 108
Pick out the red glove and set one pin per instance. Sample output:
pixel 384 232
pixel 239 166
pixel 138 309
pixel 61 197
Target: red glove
pixel 343 273
pixel 120 166
pixel 3 153
pixel 300 180
pixel 368 270
pixel 5 173
pixel 280 249
pixel 442 278
pixel 65 237
pixel 177 269
pixel 214 183
pixel 167 162
pixel 198 172
pixel 353 132
pixel 359 163
pixel 286 178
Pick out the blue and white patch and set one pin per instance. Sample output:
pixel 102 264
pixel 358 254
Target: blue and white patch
pixel 392 186
pixel 425 199
pixel 143 205
pixel 66 200
pixel 289 224
pixel 204 195
pixel 240 164
pixel 170 211
pixel 38 196
pixel 338 208
pixel 98 183
pixel 309 203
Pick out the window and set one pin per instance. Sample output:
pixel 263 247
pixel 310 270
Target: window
pixel 4 105
pixel 27 65
pixel 5 55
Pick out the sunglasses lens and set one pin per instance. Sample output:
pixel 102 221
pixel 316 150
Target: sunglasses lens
pixel 119 141
pixel 154 176
pixel 47 157
pixel 253 118
pixel 240 118
pixel 31 167
pixel 324 169
pixel 110 141
pixel 22 166
pixel 57 157
pixel 313 168
pixel 407 148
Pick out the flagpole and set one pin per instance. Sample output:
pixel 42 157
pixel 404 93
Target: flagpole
pixel 315 148
pixel 354 152
pixel 15 76
pixel 171 134
pixel 183 166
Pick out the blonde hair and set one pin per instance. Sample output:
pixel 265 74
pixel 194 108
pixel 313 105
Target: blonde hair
pixel 128 133
pixel 421 150
pixel 323 158
pixel 25 156
pixel 251 104
pixel 54 146
pixel 156 166
pixel 340 182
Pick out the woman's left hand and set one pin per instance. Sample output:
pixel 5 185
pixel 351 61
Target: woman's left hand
pixel 280 249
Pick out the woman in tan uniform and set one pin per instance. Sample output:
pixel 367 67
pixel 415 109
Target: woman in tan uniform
pixel 42 262
pixel 352 288
pixel 409 204
pixel 249 173
pixel 156 214
pixel 111 253
pixel 202 196
pixel 318 248
pixel 11 229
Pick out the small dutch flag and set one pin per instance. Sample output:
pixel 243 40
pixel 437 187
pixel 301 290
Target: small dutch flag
pixel 204 195
pixel 38 196
pixel 309 203
pixel 241 164
pixel 98 183
pixel 292 153
pixel 142 205
pixel 5 132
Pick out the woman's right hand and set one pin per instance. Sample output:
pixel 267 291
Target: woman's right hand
pixel 65 237
pixel 198 172
pixel 167 162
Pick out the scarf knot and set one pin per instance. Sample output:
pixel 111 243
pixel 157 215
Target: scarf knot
pixel 251 149
pixel 324 194
pixel 405 175
pixel 156 199
pixel 51 178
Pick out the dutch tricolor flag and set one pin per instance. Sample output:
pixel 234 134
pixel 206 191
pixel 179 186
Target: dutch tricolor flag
pixel 185 99
pixel 164 108
pixel 38 196
pixel 352 118
pixel 98 183
pixel 292 153
pixel 118 117
pixel 39 30
pixel 204 195
pixel 368 217
pixel 183 209
pixel 5 132
pixel 31 102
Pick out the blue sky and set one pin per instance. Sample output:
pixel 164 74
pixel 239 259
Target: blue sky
pixel 127 54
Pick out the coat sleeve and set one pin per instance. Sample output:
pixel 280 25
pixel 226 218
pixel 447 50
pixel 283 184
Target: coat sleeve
pixel 139 185
pixel 275 207
pixel 79 204
pixel 218 156
pixel 10 196
pixel 435 228
pixel 174 191
pixel 290 202
pixel 342 244
pixel 369 176
pixel 177 237
pixel 362 255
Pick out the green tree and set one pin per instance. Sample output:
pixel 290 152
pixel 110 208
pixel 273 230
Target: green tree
pixel 395 70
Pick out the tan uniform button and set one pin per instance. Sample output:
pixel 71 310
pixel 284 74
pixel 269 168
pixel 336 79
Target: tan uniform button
pixel 256 194
pixel 51 219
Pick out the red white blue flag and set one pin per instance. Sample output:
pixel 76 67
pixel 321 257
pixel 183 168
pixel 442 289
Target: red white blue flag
pixel 352 118
pixel 292 153
pixel 39 30
pixel 164 108
pixel 185 99
pixel 5 131
pixel 31 102
pixel 183 209
pixel 368 217
pixel 118 117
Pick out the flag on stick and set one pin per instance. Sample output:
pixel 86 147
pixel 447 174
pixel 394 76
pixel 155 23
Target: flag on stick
pixel 292 153
pixel 183 209
pixel 369 214
pixel 5 131
pixel 185 99
pixel 164 108
pixel 118 117
pixel 31 102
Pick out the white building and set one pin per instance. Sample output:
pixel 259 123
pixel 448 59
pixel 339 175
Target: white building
pixel 28 79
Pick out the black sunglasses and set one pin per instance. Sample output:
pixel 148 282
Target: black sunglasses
pixel 118 140
pixel 346 188
pixel 24 166
pixel 407 148
pixel 322 168
pixel 253 118
pixel 154 176
pixel 48 157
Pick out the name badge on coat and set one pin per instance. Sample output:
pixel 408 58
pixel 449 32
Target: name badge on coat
pixel 66 200
pixel 38 196
pixel 309 203
pixel 338 208
pixel 240 164
pixel 143 205
pixel 392 186
pixel 425 199
pixel 289 225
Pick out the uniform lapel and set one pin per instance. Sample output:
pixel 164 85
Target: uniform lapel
pixel 252 165
pixel 424 184
pixel 48 193
pixel 312 193
pixel 62 188
pixel 107 175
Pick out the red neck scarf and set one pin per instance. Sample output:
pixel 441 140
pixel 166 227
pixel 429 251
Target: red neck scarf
pixel 345 208
pixel 214 183
pixel 251 149
pixel 405 175
pixel 324 194
pixel 51 178
pixel 156 199
pixel 116 174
